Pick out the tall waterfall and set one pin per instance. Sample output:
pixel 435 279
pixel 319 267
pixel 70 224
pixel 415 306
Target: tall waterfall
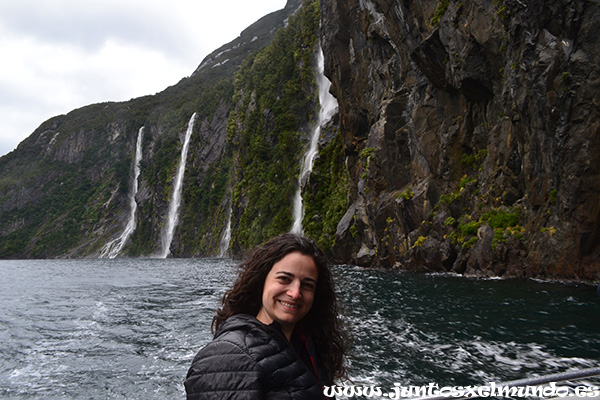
pixel 114 247
pixel 328 108
pixel 226 238
pixel 173 216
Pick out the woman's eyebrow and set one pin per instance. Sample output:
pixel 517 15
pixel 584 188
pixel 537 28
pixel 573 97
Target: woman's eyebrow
pixel 285 273
pixel 289 274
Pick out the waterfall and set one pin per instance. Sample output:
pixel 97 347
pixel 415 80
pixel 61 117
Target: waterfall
pixel 173 215
pixel 114 247
pixel 328 107
pixel 226 238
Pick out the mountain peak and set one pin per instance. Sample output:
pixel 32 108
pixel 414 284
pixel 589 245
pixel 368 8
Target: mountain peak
pixel 254 37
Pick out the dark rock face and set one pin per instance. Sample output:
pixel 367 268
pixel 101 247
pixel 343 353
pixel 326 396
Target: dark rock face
pixel 450 126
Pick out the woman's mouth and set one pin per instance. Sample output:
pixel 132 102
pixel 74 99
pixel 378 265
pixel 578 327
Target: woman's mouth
pixel 289 305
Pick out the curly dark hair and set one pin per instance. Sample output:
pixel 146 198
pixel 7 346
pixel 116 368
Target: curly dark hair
pixel 322 321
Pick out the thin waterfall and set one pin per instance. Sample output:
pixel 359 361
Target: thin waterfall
pixel 114 247
pixel 226 238
pixel 173 216
pixel 328 108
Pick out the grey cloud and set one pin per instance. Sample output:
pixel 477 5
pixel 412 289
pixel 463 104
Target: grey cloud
pixel 90 25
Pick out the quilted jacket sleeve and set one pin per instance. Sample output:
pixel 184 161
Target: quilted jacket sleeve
pixel 222 370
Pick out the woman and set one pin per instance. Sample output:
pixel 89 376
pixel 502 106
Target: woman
pixel 277 332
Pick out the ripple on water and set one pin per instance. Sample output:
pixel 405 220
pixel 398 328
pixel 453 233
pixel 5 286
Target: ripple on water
pixel 100 329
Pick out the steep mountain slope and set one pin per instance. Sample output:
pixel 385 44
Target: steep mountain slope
pixel 64 190
pixel 275 105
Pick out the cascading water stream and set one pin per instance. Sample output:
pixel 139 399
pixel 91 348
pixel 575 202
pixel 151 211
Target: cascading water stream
pixel 114 247
pixel 226 238
pixel 328 108
pixel 173 215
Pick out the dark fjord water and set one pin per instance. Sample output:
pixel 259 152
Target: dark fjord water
pixel 128 329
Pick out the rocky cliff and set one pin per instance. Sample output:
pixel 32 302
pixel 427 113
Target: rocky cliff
pixel 466 140
pixel 471 134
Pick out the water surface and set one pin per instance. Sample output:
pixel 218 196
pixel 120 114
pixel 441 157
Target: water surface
pixel 129 328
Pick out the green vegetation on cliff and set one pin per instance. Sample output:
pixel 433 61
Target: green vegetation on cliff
pixel 275 103
pixel 326 196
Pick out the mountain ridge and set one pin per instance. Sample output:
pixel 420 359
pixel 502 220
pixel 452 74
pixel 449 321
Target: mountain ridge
pixel 106 132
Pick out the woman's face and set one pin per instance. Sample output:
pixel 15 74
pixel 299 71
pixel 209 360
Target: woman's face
pixel 289 291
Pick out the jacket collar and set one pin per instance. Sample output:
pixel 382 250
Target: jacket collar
pixel 245 322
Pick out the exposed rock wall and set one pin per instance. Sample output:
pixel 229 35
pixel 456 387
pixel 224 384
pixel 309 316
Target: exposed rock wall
pixel 471 133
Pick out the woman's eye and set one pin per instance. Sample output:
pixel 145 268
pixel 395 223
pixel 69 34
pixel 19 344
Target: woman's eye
pixel 309 286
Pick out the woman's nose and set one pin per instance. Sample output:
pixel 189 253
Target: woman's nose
pixel 294 290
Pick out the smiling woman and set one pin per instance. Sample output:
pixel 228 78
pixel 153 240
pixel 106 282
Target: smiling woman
pixel 289 292
pixel 277 332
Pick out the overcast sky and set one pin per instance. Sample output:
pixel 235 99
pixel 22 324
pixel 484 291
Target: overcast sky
pixel 59 55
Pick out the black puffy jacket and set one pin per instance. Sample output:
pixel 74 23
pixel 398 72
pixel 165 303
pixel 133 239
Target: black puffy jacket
pixel 250 360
